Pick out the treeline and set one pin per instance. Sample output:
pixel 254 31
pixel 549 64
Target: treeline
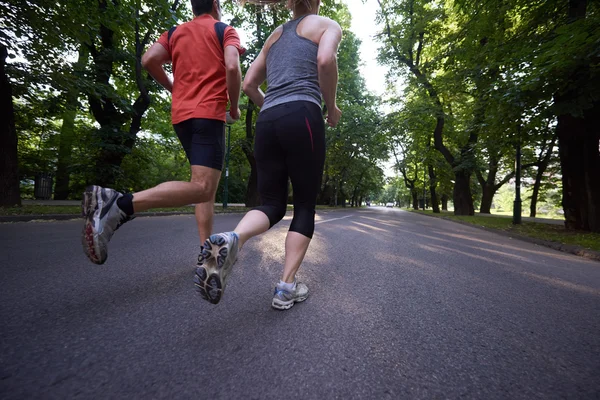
pixel 82 110
pixel 485 80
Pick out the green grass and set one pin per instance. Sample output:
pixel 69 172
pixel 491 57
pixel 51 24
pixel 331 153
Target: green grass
pixel 47 210
pixel 40 210
pixel 31 209
pixel 555 233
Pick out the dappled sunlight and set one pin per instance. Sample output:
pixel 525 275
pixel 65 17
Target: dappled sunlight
pixel 270 249
pixel 318 217
pixel 478 257
pixel 357 229
pixel 371 227
pixel 398 259
pixel 425 236
pixel 561 283
pixel 511 255
pixel 434 249
pixel 547 253
pixel 384 222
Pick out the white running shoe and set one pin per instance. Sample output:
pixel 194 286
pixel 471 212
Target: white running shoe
pixel 102 218
pixel 219 253
pixel 284 299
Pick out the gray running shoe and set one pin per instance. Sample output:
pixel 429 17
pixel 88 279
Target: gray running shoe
pixel 102 218
pixel 219 253
pixel 284 299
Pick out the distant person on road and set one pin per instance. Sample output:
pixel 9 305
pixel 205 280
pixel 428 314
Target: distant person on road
pixel 206 72
pixel 299 63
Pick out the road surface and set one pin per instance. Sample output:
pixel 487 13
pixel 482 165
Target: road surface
pixel 402 306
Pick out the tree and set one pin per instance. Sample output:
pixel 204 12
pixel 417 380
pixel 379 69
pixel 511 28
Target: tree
pixel 405 45
pixel 578 112
pixel 116 51
pixel 9 176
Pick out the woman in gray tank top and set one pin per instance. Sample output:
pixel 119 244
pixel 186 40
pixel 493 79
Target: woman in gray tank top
pixel 299 63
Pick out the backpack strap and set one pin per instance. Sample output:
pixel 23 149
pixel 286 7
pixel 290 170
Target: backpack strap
pixel 220 31
pixel 220 28
pixel 171 31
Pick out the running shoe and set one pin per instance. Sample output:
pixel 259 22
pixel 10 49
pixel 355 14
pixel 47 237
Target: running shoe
pixel 284 299
pixel 219 253
pixel 102 218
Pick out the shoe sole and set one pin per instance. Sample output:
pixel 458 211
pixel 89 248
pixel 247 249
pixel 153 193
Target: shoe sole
pixel 286 305
pixel 89 207
pixel 208 279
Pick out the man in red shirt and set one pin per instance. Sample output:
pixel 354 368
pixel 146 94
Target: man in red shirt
pixel 206 73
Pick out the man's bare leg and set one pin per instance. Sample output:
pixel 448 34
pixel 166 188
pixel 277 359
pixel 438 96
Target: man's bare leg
pixel 205 211
pixel 204 219
pixel 176 194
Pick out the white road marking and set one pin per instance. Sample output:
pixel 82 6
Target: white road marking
pixel 332 219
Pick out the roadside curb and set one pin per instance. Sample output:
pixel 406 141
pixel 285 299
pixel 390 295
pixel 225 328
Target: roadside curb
pixel 565 248
pixel 67 217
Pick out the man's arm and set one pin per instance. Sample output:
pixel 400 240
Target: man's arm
pixel 234 79
pixel 153 60
pixel 328 70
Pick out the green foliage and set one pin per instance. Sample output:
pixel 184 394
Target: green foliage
pixel 491 71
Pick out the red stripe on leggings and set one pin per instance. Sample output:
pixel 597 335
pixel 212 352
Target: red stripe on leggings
pixel 310 133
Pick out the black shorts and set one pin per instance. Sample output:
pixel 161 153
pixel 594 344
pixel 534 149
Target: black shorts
pixel 203 141
pixel 290 144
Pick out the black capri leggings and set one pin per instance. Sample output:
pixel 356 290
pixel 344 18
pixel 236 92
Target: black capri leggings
pixel 290 142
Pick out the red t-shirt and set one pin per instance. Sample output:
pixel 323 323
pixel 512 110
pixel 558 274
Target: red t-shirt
pixel 199 77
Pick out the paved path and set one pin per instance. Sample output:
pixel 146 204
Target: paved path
pixel 402 306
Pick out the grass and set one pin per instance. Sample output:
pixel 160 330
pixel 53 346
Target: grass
pixel 35 209
pixel 555 233
pixel 68 209
pixel 539 215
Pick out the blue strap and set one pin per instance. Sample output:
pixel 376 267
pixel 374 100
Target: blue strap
pixel 220 28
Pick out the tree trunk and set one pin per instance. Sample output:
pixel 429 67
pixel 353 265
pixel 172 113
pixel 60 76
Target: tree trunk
pixel 415 198
pixel 67 133
pixel 538 178
pixel 487 197
pixel 488 185
pixel 10 194
pixel 444 202
pixel 578 138
pixel 536 192
pixel 432 184
pixel 580 166
pixel 252 196
pixel 461 195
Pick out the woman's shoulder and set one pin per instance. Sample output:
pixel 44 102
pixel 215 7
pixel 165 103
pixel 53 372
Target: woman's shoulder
pixel 324 22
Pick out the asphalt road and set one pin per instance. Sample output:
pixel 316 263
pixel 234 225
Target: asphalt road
pixel 402 306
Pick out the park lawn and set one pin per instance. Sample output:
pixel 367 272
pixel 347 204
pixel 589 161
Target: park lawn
pixel 31 209
pixel 555 233
pixel 68 209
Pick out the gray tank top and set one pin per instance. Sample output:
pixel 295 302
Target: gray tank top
pixel 292 73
